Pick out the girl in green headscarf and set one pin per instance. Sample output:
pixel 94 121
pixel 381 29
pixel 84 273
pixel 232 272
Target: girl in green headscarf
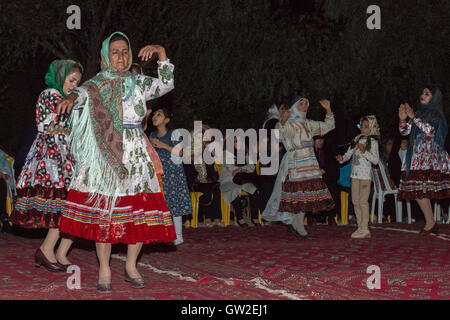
pixel 115 195
pixel 46 174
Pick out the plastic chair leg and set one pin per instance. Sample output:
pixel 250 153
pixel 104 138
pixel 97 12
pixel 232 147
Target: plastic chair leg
pixel 194 221
pixel 380 208
pixel 344 208
pixel 408 209
pixel 399 213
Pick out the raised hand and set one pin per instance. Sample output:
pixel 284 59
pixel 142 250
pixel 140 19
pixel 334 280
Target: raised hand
pixel 402 112
pixel 146 52
pixel 326 104
pixel 409 111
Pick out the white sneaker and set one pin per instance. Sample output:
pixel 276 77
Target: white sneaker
pixel 178 242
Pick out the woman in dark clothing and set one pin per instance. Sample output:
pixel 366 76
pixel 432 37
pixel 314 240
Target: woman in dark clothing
pixel 209 202
pixel 326 151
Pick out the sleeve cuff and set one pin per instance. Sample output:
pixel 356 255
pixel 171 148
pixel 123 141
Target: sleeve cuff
pixel 167 61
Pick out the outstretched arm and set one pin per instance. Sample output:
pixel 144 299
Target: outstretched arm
pixel 156 87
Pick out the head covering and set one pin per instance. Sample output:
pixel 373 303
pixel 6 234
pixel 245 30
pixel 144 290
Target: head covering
pixel 373 133
pixel 104 53
pixel 57 73
pixel 298 116
pixel 433 114
pixel 272 113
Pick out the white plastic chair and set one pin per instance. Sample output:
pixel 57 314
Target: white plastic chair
pixel 380 194
pixel 437 213
pixel 448 215
pixel 400 211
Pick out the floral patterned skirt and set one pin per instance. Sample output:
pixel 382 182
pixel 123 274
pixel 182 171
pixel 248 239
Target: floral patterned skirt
pixel 143 217
pixel 176 190
pixel 310 196
pixel 420 184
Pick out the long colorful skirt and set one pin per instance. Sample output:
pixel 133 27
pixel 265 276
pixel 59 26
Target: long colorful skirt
pixel 42 183
pixel 143 217
pixel 420 184
pixel 38 207
pixel 311 196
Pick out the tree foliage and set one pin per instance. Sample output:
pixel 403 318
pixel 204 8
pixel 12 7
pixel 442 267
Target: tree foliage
pixel 234 58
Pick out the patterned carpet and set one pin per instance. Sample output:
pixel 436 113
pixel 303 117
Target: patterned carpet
pixel 265 263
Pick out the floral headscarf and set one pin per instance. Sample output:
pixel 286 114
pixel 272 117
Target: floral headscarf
pixel 374 131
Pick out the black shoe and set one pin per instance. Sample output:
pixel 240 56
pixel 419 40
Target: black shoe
pixel 434 230
pixel 292 230
pixel 242 224
pixel 6 228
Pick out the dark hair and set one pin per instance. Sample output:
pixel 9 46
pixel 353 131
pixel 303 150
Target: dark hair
pixel 118 37
pixel 166 112
pixel 136 66
pixel 431 87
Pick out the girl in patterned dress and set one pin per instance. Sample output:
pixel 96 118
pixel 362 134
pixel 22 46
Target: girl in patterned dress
pixel 364 153
pixel 426 167
pixel 43 181
pixel 176 190
pixel 299 187
pixel 115 196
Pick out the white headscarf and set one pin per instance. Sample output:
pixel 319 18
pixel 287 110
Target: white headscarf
pixel 272 113
pixel 295 114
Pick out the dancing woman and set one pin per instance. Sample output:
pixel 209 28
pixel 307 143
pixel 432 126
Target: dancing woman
pixel 426 167
pixel 115 196
pixel 44 179
pixel 299 187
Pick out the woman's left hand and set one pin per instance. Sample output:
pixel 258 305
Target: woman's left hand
pixel 326 105
pixel 409 111
pixel 146 52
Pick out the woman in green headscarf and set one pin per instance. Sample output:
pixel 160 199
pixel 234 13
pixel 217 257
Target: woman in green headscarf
pixel 43 181
pixel 115 195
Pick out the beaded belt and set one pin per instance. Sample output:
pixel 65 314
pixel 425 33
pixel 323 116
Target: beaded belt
pixel 135 125
pixel 63 131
